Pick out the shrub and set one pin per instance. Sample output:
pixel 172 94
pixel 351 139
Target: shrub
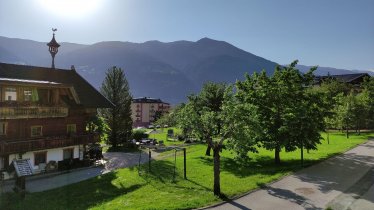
pixel 139 134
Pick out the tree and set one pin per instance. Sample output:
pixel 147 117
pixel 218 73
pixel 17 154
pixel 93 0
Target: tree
pixel 116 88
pixel 210 99
pixel 368 100
pixel 287 112
pixel 331 90
pixel 170 118
pixel 213 115
pixel 97 124
pixel 158 115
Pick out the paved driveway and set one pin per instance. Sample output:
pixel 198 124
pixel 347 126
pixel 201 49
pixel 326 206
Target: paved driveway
pixel 343 182
pixel 114 160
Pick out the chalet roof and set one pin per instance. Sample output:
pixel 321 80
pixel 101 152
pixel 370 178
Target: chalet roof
pixel 88 96
pixel 348 78
pixel 148 100
pixel 28 81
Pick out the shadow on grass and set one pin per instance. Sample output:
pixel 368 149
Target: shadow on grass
pixel 82 195
pixel 161 170
pixel 263 165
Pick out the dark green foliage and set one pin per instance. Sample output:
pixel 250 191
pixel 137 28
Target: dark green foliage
pixel 116 88
pixel 139 134
pixel 97 124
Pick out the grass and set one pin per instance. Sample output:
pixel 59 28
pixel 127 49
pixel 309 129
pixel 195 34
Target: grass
pixel 126 189
pixel 162 135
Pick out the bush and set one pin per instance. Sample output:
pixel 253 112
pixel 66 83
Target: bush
pixel 139 134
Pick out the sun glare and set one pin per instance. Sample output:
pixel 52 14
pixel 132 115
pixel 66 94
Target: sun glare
pixel 71 8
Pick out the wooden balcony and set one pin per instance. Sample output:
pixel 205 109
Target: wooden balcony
pixel 13 147
pixel 32 112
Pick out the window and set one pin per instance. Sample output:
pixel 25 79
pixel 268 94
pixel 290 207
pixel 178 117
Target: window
pixel 3 128
pixel 40 157
pixel 68 153
pixel 71 128
pixel 27 95
pixel 36 131
pixel 10 94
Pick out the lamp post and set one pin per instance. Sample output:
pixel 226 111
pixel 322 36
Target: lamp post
pixel 53 47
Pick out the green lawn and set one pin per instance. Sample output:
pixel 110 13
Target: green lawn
pixel 162 135
pixel 126 189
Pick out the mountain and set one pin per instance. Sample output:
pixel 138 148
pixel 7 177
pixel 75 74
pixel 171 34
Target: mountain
pixel 169 71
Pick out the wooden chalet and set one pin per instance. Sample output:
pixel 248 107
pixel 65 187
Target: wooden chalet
pixel 43 115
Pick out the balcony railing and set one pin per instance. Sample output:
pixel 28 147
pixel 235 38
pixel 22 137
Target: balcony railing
pixel 12 147
pixel 32 112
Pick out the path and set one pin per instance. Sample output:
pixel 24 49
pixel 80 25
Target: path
pixel 343 182
pixel 114 160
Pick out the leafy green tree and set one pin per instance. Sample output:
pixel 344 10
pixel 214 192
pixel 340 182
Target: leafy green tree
pixel 331 89
pixel 218 120
pixel 170 119
pixel 346 112
pixel 116 88
pixel 209 99
pixel 368 100
pixel 287 112
pixel 97 125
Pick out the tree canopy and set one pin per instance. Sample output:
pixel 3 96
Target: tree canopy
pixel 288 112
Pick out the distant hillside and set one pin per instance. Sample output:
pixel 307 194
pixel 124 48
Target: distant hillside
pixel 169 71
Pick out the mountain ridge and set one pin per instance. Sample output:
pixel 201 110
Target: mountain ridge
pixel 166 70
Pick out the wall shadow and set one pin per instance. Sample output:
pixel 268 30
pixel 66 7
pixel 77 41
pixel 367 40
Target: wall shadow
pixel 82 195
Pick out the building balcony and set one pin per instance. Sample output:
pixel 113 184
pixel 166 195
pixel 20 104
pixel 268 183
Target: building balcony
pixel 13 147
pixel 32 112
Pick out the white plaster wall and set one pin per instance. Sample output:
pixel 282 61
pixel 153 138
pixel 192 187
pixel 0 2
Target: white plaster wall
pixel 52 154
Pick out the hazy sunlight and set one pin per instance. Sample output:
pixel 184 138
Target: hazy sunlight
pixel 71 8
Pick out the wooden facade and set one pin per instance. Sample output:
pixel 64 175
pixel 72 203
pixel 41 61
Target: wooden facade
pixel 43 109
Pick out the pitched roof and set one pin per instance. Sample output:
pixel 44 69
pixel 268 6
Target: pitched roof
pixel 148 100
pixel 348 78
pixel 88 96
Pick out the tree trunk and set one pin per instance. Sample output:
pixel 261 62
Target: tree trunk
pixel 347 133
pixel 208 149
pixel 217 182
pixel 276 156
pixel 328 137
pixel 302 153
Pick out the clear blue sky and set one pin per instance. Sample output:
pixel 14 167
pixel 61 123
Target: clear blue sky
pixel 334 33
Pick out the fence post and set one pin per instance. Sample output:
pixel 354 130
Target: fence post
pixel 149 159
pixel 184 163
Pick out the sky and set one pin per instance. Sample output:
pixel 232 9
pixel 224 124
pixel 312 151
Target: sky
pixel 331 33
